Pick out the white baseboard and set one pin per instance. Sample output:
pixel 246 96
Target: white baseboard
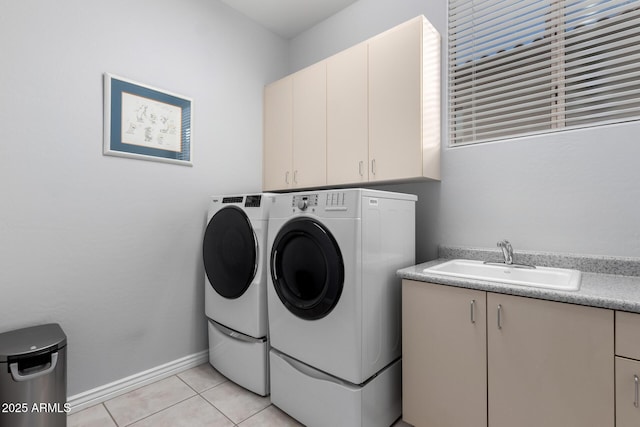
pixel 103 393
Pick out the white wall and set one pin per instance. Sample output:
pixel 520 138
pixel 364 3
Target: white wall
pixel 110 247
pixel 575 192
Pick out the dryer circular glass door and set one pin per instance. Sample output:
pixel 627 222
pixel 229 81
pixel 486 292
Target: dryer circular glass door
pixel 307 268
pixel 230 252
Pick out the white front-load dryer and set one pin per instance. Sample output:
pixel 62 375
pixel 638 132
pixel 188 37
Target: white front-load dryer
pixel 334 302
pixel 235 259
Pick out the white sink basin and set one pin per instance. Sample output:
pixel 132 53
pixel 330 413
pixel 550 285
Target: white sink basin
pixel 539 277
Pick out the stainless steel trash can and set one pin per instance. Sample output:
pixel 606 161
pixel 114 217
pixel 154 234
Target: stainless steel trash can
pixel 33 377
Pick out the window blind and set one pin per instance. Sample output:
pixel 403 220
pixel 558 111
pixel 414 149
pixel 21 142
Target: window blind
pixel 519 67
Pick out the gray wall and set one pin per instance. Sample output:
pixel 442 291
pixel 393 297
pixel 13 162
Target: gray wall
pixel 110 247
pixel 575 191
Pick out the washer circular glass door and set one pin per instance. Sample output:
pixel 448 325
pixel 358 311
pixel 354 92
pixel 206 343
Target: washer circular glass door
pixel 230 252
pixel 307 268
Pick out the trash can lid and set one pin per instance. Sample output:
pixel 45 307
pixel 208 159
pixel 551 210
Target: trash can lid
pixel 25 341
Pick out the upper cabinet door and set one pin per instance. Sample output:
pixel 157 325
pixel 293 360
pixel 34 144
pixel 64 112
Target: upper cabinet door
pixel 347 117
pixel 278 138
pixel 367 114
pixel 394 103
pixel 310 126
pixel 404 102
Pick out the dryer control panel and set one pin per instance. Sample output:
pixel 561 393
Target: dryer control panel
pixel 305 201
pixel 335 199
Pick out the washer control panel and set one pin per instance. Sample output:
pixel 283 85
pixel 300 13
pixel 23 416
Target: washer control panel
pixel 253 201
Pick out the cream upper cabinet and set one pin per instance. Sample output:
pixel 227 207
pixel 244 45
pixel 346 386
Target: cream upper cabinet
pixel 278 135
pixel 404 102
pixel 295 127
pixel 347 117
pixel 549 363
pixel 523 362
pixel 310 127
pixel 444 355
pixel 368 114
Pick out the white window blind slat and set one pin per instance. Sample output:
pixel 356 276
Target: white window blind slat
pixel 499 24
pixel 499 98
pixel 619 84
pixel 490 83
pixel 532 66
pixel 536 54
pixel 521 97
pixel 604 54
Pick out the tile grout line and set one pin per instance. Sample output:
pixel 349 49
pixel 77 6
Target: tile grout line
pixel 199 394
pixel 195 393
pixel 161 410
pixel 156 412
pixel 214 406
pixel 253 415
pixel 220 410
pixel 109 413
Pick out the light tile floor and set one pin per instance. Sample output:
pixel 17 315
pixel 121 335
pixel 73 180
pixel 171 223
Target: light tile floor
pixel 200 396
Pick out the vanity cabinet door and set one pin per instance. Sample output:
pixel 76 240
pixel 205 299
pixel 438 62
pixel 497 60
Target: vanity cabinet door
pixel 628 334
pixel 627 392
pixel 444 380
pixel 549 363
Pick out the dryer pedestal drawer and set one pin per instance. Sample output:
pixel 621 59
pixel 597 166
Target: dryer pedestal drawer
pixel 240 358
pixel 317 399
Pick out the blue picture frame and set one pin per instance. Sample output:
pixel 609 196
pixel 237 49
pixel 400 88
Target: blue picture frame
pixel 147 123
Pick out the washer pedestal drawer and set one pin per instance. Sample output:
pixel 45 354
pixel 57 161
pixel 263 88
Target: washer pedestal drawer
pixel 242 359
pixel 318 399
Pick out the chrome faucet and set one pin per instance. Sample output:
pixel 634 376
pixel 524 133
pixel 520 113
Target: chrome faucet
pixel 507 251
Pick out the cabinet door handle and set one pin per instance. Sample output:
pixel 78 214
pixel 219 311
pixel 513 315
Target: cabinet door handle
pixel 295 176
pixel 360 164
pixel 286 177
pixel 373 166
pixel 635 399
pixel 499 316
pixel 473 311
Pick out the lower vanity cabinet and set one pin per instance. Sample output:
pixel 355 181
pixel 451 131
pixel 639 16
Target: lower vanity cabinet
pixel 627 369
pixel 533 363
pixel 627 398
pixel 444 355
pixel 549 363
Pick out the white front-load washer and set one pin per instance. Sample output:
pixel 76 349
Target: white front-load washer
pixel 235 259
pixel 334 303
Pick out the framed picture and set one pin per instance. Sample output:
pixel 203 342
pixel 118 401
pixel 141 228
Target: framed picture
pixel 146 123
